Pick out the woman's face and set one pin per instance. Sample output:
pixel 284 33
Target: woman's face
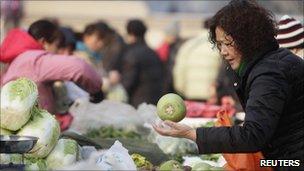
pixel 227 49
pixel 93 42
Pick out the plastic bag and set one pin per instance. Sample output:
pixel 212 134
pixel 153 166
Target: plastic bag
pixel 170 145
pixel 74 92
pixel 107 113
pixel 116 158
pixel 240 161
pixel 117 93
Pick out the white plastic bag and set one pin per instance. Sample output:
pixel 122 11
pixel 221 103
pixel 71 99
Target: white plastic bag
pixel 192 160
pixel 109 113
pixel 116 158
pixel 170 145
pixel 74 92
pixel 106 113
pixel 147 113
pixel 86 151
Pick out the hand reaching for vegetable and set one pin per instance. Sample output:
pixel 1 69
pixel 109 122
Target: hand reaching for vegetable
pixel 175 130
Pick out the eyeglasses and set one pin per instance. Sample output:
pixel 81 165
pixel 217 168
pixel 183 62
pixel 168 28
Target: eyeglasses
pixel 220 45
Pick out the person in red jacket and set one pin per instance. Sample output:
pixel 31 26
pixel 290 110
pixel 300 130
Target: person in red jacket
pixel 25 54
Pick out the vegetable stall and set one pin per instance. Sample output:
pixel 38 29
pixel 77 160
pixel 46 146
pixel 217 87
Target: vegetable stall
pixel 109 135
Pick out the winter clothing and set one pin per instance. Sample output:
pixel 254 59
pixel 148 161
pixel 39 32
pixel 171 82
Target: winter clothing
pixel 163 51
pixel 142 74
pixel 169 64
pixel 92 58
pixel 44 68
pixel 113 52
pixel 291 33
pixel 21 41
pixel 224 86
pixel 196 68
pixel 80 46
pixel 271 91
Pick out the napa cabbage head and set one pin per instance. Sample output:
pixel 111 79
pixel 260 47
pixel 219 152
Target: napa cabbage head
pixel 5 132
pixel 35 164
pixel 17 99
pixel 65 153
pixel 44 126
pixel 10 158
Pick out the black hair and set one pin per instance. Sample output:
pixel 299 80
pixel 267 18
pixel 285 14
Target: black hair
pixel 137 28
pixel 206 23
pixel 70 38
pixel 46 30
pixel 101 28
pixel 251 26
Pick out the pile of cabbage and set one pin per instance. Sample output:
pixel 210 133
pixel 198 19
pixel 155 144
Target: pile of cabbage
pixel 20 115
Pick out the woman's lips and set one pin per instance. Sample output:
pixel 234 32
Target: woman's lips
pixel 230 61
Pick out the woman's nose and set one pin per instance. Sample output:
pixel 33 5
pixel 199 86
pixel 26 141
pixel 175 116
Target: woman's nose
pixel 223 52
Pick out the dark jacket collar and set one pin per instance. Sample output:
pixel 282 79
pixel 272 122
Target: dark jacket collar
pixel 258 56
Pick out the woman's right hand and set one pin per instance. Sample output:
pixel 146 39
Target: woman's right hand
pixel 169 128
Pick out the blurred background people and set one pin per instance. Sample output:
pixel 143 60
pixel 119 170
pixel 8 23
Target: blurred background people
pixel 196 67
pixel 63 95
pixel 112 53
pixel 67 47
pixel 142 72
pixel 31 54
pixel 291 35
pixel 103 47
pixel 93 40
pixel 167 52
pixel 11 15
pixel 113 50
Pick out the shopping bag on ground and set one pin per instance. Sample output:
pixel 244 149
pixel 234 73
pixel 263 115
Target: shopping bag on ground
pixel 240 161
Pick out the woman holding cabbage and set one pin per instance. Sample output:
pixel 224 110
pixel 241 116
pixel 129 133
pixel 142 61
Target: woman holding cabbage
pixel 269 82
pixel 26 56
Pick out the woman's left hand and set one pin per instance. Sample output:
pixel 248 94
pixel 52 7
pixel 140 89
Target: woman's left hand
pixel 169 128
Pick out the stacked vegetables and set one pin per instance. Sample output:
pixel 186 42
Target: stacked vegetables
pixel 111 132
pixel 20 115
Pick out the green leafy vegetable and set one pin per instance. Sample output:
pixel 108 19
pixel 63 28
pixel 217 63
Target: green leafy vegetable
pixel 17 99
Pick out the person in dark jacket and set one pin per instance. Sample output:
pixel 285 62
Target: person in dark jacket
pixel 167 52
pixel 142 73
pixel 113 50
pixel 269 82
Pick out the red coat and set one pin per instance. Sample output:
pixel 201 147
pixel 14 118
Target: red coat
pixel 27 59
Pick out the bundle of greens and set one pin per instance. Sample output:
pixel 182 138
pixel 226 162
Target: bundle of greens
pixel 111 132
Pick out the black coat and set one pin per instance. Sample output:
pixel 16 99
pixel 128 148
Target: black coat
pixel 142 74
pixel 271 91
pixel 113 53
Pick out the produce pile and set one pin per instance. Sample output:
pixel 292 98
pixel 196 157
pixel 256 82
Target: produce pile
pixel 169 107
pixel 143 164
pixel 111 132
pixel 20 116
